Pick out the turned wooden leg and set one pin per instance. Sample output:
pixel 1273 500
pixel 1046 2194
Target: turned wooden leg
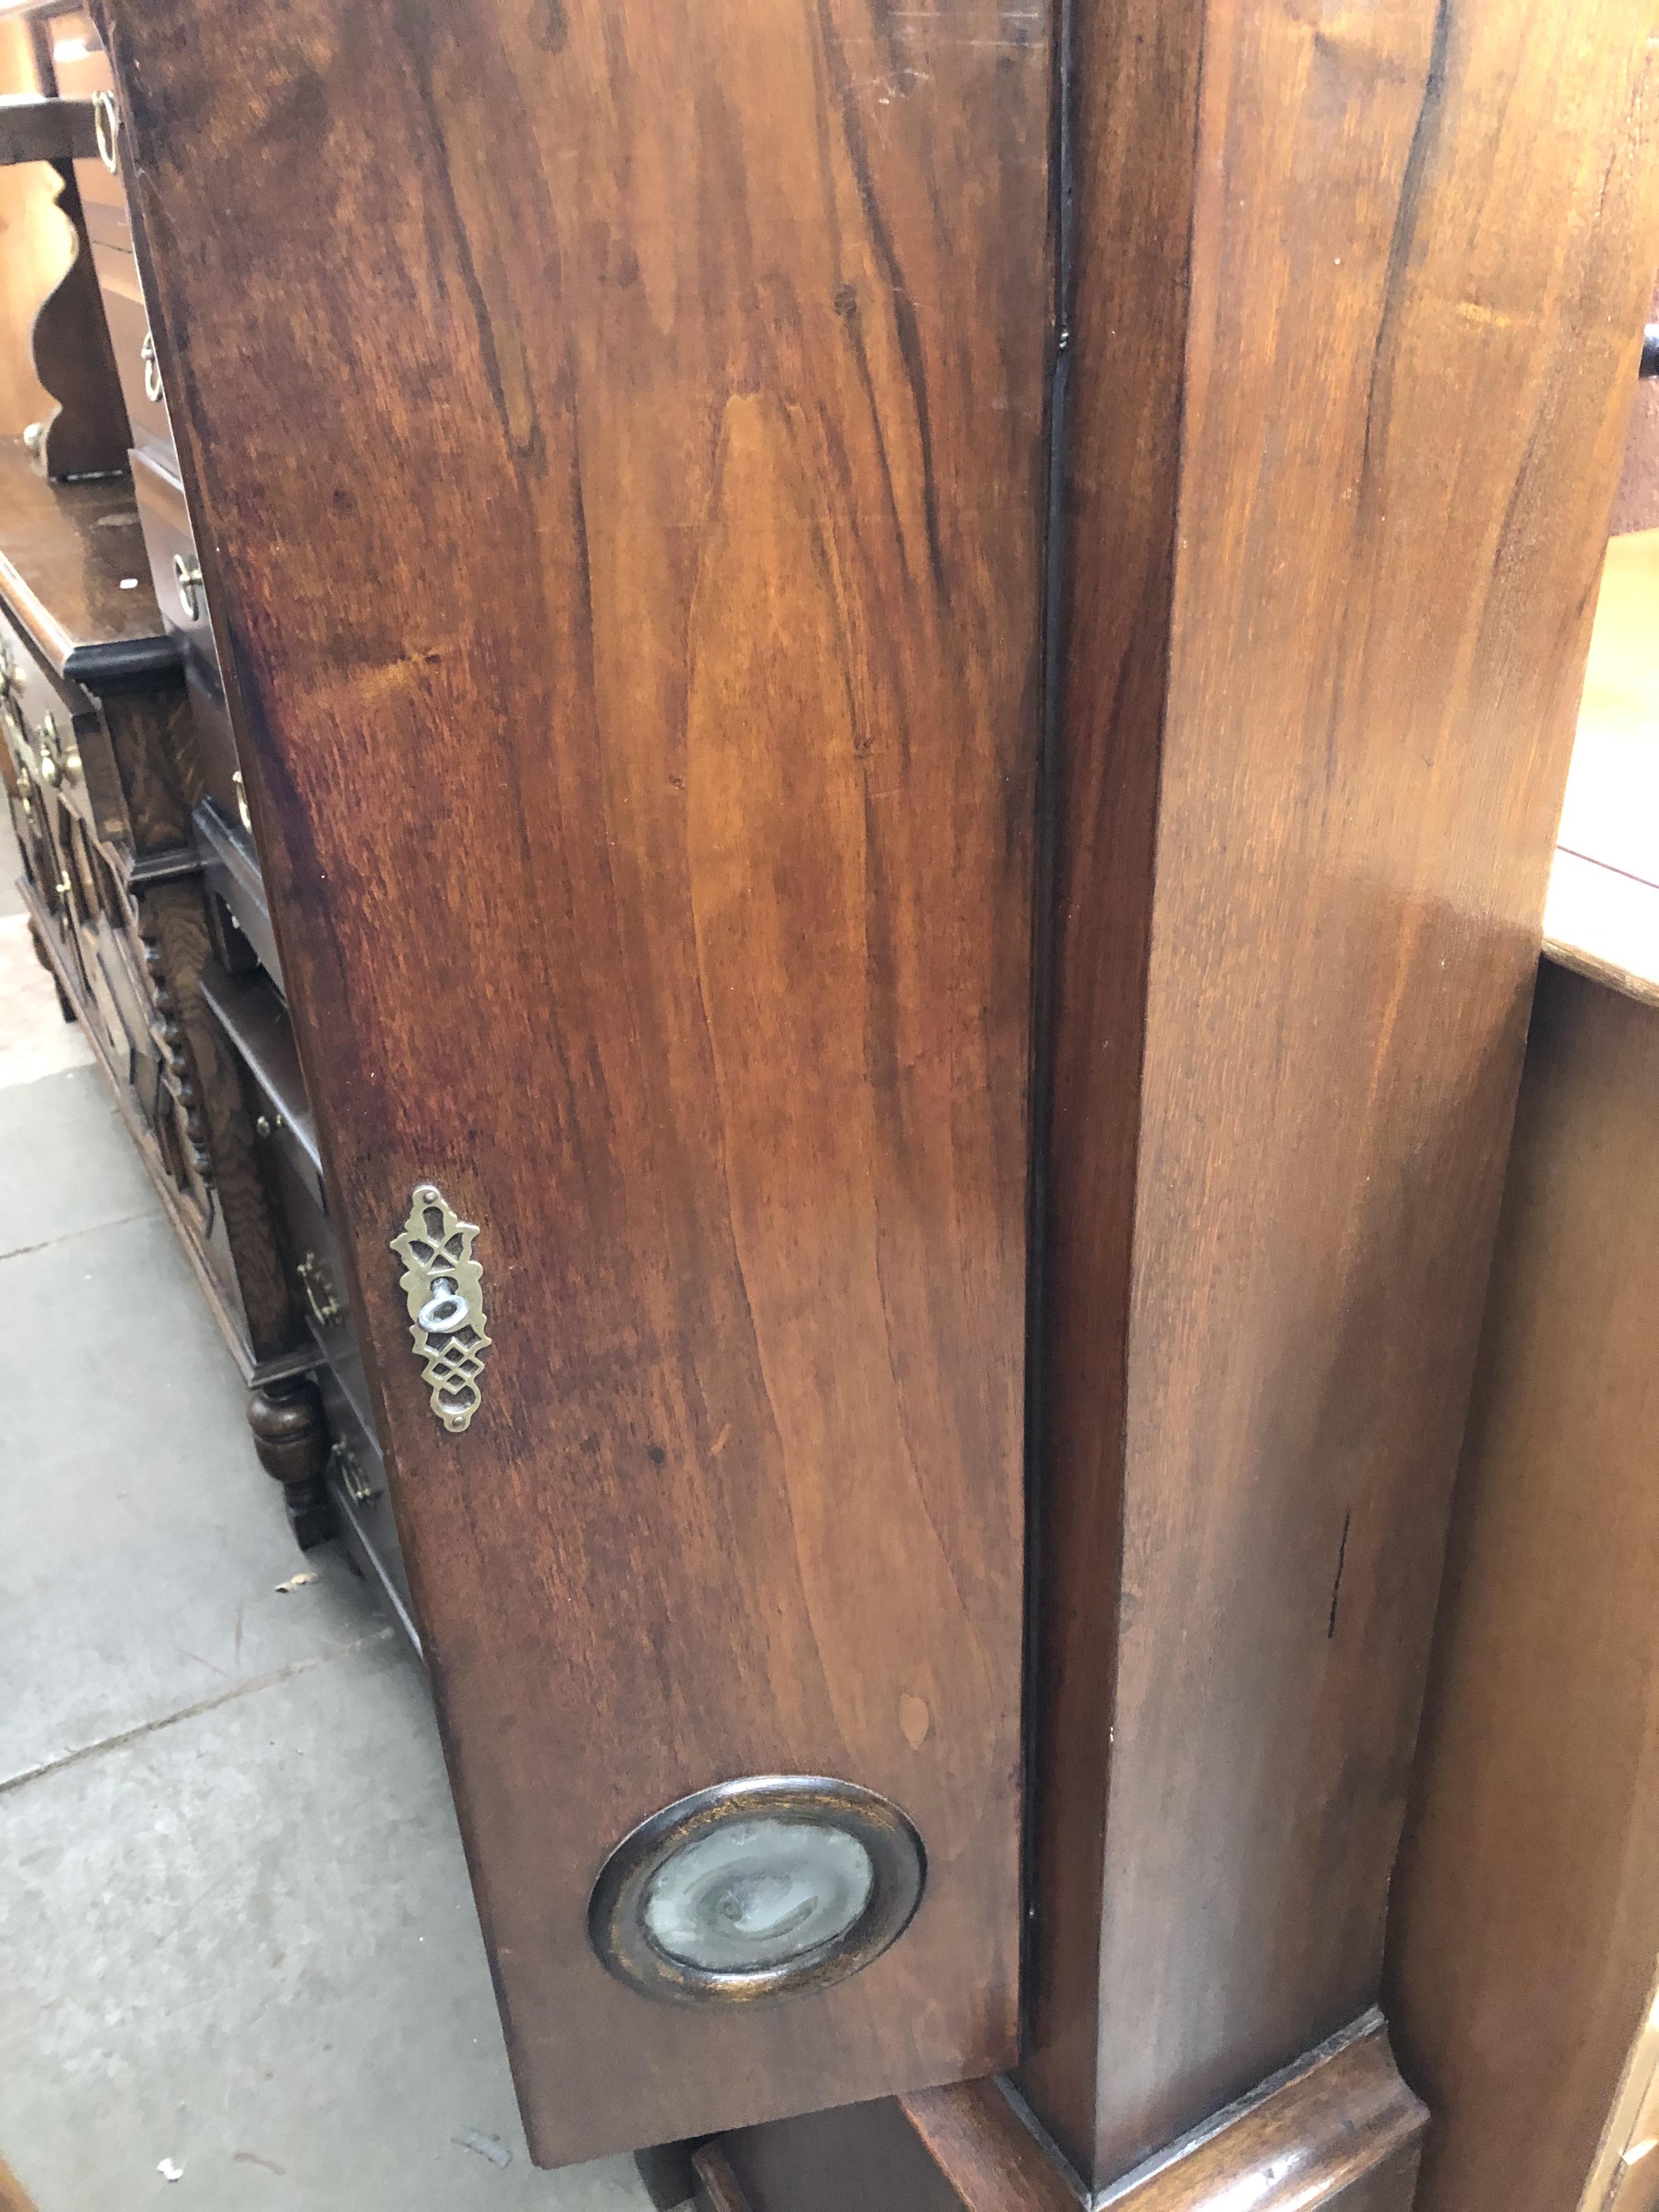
pixel 292 1442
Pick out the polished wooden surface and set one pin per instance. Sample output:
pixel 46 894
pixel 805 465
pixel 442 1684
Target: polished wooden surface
pixel 67 551
pixel 1602 915
pixel 1331 684
pixel 1524 1929
pixel 942 2151
pixel 1342 2129
pixel 627 558
pixel 1136 72
pixel 1624 2178
pixel 1604 924
pixel 1636 504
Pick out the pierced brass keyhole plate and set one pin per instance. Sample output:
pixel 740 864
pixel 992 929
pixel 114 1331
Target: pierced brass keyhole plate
pixel 443 1285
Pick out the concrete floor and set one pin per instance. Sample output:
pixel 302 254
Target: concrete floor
pixel 235 1930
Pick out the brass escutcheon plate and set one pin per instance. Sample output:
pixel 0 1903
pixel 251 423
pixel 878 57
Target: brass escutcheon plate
pixel 443 1286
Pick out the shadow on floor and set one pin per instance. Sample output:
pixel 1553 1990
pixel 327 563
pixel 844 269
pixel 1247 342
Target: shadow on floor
pixel 237 1934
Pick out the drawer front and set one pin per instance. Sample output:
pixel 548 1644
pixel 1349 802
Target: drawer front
pixel 317 1270
pixel 56 731
pixel 135 355
pixel 231 871
pixel 357 1480
pixel 174 569
pixel 215 753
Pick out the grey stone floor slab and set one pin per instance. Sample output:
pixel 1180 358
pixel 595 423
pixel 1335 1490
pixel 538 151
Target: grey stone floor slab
pixel 235 1926
pixel 35 1038
pixel 244 1942
pixel 68 1162
pixel 11 867
pixel 141 1543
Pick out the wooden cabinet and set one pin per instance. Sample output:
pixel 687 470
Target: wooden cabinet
pixel 241 1024
pixel 879 701
pixel 688 959
pixel 1523 1940
pixel 102 778
pixel 1525 1934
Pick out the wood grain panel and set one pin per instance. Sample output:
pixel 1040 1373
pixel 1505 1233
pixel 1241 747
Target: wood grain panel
pixel 1405 304
pixel 615 440
pixel 942 2151
pixel 1135 69
pixel 1340 2129
pixel 1524 1926
pixel 1636 504
pixel 68 549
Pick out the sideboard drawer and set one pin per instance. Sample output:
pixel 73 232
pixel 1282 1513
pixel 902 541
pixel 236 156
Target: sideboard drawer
pixel 174 567
pixel 136 363
pixel 230 869
pixel 220 763
pixel 356 1479
pixel 56 732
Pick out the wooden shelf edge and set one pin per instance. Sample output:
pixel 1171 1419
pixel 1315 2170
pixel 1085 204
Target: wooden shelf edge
pixel 36 128
pixel 1339 2128
pixel 1603 924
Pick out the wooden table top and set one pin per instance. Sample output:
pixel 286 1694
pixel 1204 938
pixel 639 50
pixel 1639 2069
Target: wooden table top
pixel 1602 914
pixel 74 572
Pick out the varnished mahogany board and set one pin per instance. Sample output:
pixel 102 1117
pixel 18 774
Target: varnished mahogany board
pixel 1358 306
pixel 615 440
pixel 1523 1923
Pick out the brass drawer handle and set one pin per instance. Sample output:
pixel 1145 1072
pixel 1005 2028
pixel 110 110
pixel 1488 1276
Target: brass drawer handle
pixel 59 763
pixel 354 1483
pixel 325 1309
pixel 152 367
pixel 241 801
pixel 45 759
pixel 104 125
pixel 187 575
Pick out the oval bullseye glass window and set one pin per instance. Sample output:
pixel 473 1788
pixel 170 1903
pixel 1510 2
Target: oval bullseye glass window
pixel 757 1888
pixel 756 1893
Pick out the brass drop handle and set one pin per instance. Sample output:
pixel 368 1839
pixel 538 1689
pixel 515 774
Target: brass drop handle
pixel 241 801
pixel 104 123
pixel 326 1308
pixel 352 1480
pixel 46 753
pixel 152 367
pixel 187 576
